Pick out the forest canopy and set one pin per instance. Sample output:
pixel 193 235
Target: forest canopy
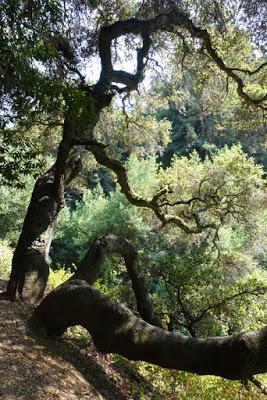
pixel 133 159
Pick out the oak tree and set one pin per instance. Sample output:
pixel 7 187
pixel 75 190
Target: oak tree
pixel 45 45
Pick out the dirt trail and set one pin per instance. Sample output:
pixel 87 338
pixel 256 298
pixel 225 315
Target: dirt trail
pixel 33 368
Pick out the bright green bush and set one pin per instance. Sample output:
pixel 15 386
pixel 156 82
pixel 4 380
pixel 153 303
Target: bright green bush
pixel 6 254
pixel 160 383
pixel 57 277
pixel 170 259
pixel 95 215
pixel 13 207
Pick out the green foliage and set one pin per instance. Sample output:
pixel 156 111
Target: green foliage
pixel 204 296
pixel 209 284
pixel 102 177
pixel 57 277
pixel 19 158
pixel 13 208
pixel 95 215
pixel 227 186
pixel 143 175
pixel 174 263
pixel 171 261
pixel 202 105
pixel 133 131
pixel 6 254
pixel 158 383
pixel 24 85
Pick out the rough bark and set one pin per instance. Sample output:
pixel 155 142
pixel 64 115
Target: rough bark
pixel 92 263
pixel 30 264
pixel 115 329
pixel 80 120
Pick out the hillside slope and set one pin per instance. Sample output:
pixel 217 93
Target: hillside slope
pixel 33 368
pixel 38 368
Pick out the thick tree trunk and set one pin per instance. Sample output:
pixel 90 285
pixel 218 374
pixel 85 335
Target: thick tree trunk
pixel 115 329
pixel 30 264
pixel 90 268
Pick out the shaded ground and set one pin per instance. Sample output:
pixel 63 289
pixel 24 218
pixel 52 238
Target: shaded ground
pixel 40 368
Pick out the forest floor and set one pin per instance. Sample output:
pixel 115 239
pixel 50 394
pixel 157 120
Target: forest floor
pixel 34 367
pixel 37 368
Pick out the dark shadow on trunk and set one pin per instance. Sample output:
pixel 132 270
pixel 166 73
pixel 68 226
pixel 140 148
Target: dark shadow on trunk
pixel 90 268
pixel 30 264
pixel 115 329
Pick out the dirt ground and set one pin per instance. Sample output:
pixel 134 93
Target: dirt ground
pixel 34 368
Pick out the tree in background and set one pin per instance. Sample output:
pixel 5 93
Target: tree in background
pixel 44 83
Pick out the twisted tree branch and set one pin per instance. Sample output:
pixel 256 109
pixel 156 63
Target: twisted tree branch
pixel 153 203
pixel 167 22
pixel 115 329
pixel 90 268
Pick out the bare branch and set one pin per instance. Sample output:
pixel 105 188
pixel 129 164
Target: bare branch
pixel 249 72
pixel 169 23
pixel 153 203
pixel 205 36
pixel 76 71
pixel 91 265
pixel 255 292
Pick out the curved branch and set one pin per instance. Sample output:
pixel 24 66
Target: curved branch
pixel 90 267
pixel 255 292
pixel 168 22
pixel 249 72
pixel 205 36
pixel 115 329
pixel 101 156
pixel 75 71
pixel 107 35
